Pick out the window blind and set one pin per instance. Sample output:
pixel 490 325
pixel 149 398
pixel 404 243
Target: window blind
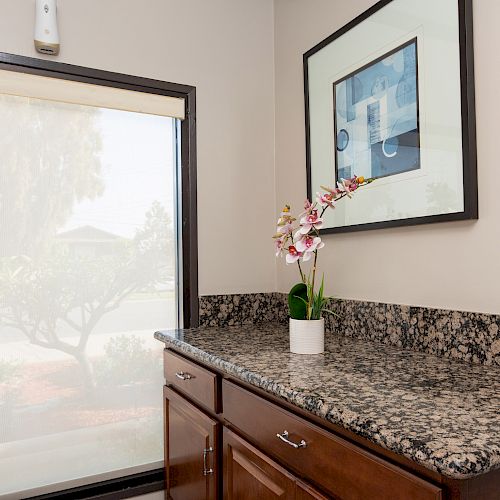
pixel 54 89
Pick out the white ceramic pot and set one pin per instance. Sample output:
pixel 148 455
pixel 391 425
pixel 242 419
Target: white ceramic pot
pixel 307 336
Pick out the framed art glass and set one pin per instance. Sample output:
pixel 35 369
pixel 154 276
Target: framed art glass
pixel 390 96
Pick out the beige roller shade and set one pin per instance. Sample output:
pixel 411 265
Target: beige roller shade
pixel 55 89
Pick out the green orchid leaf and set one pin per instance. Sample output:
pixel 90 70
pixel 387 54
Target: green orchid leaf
pixel 332 312
pixel 297 301
pixel 301 298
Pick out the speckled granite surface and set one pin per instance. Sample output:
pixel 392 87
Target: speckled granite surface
pixel 471 337
pixel 443 414
pixel 240 309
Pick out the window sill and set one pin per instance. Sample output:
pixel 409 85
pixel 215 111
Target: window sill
pixel 112 489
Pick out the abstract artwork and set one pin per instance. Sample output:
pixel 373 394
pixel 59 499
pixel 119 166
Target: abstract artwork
pixel 376 116
pixel 390 96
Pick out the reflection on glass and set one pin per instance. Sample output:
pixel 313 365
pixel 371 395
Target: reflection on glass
pixel 87 273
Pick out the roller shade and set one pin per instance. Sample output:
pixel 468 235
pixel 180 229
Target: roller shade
pixel 55 89
pixel 89 251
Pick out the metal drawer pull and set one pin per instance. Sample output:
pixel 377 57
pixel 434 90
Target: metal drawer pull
pixel 284 437
pixel 206 470
pixel 183 376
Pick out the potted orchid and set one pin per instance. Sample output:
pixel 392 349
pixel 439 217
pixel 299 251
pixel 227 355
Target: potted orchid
pixel 299 239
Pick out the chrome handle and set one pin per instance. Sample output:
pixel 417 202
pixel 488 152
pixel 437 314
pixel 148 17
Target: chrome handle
pixel 284 437
pixel 183 376
pixel 206 470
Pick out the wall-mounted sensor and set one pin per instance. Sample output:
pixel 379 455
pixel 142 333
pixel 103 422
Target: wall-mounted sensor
pixel 46 33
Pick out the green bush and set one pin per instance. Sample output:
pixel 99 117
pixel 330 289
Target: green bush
pixel 8 370
pixel 126 361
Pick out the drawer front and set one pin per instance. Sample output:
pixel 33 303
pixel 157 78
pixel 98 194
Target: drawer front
pixel 345 470
pixel 249 474
pixel 199 384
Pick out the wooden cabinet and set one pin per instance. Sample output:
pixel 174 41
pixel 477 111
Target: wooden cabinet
pixel 191 450
pixel 306 492
pixel 343 469
pixel 260 448
pixel 250 474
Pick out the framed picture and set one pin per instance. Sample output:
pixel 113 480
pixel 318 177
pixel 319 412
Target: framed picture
pixel 390 96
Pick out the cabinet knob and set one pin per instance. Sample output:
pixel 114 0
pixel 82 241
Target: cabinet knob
pixel 183 375
pixel 284 437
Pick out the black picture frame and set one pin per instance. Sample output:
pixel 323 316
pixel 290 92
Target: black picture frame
pixel 468 122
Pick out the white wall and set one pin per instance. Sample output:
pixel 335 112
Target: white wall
pixel 227 52
pixel 225 49
pixel 451 265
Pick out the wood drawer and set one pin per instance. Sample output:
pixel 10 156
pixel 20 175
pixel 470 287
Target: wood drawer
pixel 250 474
pixel 197 383
pixel 344 469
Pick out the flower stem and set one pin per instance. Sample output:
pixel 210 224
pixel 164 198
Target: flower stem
pixel 302 275
pixel 311 298
pixel 313 270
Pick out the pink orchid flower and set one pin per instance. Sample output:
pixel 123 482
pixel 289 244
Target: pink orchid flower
pixel 279 245
pixel 309 207
pixel 354 183
pixel 285 229
pixel 333 191
pixel 348 186
pixel 293 255
pixel 310 221
pixel 325 200
pixel 308 244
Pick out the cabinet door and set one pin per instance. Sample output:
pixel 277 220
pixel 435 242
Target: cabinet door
pixel 190 450
pixel 306 492
pixel 249 474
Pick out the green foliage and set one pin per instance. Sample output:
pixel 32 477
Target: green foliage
pixel 126 361
pixel 318 301
pixel 38 295
pixel 297 301
pixel 8 370
pixel 53 161
pixel 153 242
pixel 311 304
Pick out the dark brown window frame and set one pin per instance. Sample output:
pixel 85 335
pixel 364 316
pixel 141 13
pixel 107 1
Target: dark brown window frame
pixel 140 483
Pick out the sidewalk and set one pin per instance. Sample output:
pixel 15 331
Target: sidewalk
pixel 24 352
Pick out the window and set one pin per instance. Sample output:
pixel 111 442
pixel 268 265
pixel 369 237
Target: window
pixel 90 266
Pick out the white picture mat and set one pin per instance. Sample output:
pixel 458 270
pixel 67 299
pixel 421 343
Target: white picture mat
pixel 437 187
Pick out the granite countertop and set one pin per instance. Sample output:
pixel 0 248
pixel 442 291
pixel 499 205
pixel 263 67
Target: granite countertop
pixel 440 413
